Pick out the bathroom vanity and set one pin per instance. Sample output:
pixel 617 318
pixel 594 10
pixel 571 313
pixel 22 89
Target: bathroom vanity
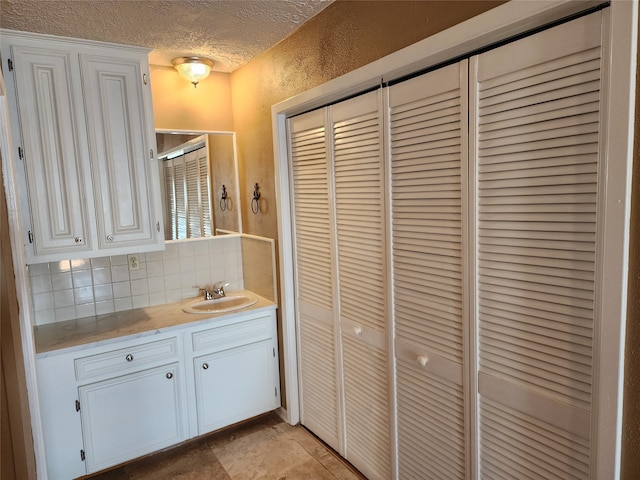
pixel 118 386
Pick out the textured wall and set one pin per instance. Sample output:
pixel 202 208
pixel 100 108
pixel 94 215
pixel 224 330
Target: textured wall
pixel 223 168
pixel 344 36
pixel 631 413
pixel 178 105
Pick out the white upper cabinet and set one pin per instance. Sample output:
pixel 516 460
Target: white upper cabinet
pixel 82 121
pixel 53 149
pixel 120 150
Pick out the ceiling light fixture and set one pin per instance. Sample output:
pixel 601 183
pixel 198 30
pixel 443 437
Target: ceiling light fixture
pixel 193 69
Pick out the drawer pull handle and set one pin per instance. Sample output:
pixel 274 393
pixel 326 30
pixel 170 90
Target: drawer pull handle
pixel 422 360
pixel 129 358
pixel 169 375
pixel 205 366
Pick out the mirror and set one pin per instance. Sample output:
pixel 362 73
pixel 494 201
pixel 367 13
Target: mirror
pixel 204 165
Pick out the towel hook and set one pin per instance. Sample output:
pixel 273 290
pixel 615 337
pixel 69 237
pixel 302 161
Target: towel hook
pixel 255 205
pixel 223 199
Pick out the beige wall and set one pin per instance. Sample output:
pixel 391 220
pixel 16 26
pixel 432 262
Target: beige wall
pixel 178 105
pixel 344 36
pixel 223 172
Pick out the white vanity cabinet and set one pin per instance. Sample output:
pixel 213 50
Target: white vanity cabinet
pixel 102 405
pixel 131 401
pixel 131 415
pixel 235 371
pixel 105 405
pixel 82 125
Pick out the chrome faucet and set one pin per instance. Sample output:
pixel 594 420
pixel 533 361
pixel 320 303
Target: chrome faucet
pixel 211 292
pixel 218 290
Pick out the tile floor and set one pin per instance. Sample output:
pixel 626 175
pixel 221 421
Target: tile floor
pixel 262 449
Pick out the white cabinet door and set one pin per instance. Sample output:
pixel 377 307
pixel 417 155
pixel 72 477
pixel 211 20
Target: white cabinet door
pixel 132 415
pixel 121 152
pixel 235 384
pixel 61 425
pixel 54 150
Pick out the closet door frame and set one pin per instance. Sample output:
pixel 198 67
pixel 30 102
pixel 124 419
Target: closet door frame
pixel 497 25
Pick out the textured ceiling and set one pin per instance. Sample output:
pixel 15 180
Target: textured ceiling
pixel 230 32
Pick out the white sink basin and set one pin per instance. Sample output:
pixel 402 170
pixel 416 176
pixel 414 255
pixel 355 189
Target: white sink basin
pixel 228 303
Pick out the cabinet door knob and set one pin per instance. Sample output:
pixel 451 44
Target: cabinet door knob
pixel 129 358
pixel 205 366
pixel 357 330
pixel 169 375
pixel 109 238
pixel 78 240
pixel 422 360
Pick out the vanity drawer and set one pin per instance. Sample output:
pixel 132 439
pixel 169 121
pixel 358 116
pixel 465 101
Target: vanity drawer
pixel 123 360
pixel 234 335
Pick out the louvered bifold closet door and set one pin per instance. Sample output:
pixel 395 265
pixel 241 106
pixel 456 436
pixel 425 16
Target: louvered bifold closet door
pixel 171 218
pixel 194 220
pixel 179 175
pixel 198 193
pixel 204 190
pixel 537 146
pixel 359 209
pixel 314 272
pixel 428 125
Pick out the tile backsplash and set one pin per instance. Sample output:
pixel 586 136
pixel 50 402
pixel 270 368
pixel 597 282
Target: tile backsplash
pixel 73 289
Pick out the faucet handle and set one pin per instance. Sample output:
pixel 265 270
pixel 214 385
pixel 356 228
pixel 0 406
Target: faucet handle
pixel 218 288
pixel 204 290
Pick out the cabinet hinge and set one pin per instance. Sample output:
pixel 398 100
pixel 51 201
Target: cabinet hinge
pixel 274 352
pixel 158 226
pixel 77 405
pixel 82 455
pixel 10 63
pixel 151 154
pixel 275 392
pixel 30 235
pixel 144 78
pixel 20 153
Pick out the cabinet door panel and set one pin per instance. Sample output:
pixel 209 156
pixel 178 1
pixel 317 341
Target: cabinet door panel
pixel 130 416
pixel 234 385
pixel 119 153
pixel 52 123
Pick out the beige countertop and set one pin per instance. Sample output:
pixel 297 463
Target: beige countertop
pixel 139 322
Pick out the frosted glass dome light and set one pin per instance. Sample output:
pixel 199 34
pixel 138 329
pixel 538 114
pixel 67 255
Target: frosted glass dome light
pixel 193 69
